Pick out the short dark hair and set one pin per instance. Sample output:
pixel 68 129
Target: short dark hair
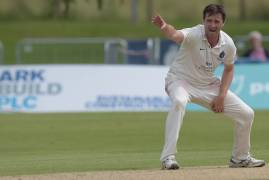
pixel 213 9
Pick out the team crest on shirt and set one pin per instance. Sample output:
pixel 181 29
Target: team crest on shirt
pixel 221 56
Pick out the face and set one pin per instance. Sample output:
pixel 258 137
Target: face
pixel 213 24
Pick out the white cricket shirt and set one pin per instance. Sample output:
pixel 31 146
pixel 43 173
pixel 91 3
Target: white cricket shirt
pixel 196 61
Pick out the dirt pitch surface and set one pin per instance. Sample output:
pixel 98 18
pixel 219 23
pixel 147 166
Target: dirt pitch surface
pixel 191 173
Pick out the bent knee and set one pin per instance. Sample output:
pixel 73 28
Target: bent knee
pixel 179 104
pixel 248 114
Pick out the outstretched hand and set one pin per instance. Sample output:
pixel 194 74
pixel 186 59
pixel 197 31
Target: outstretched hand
pixel 158 21
pixel 168 30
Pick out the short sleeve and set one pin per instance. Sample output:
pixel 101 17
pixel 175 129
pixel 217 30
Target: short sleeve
pixel 231 54
pixel 185 31
pixel 188 34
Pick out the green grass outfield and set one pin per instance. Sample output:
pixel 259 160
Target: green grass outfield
pixel 76 142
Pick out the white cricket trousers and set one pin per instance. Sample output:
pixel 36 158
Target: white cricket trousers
pixel 181 93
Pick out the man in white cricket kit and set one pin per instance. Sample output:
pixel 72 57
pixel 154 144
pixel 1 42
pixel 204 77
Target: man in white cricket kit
pixel 191 79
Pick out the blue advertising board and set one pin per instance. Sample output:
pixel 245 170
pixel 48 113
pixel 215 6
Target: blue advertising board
pixel 250 83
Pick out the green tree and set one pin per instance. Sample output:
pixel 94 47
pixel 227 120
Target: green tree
pixel 100 4
pixel 57 10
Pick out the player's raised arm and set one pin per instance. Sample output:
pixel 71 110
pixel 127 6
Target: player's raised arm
pixel 168 30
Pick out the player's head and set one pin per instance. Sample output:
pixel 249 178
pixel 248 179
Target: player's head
pixel 213 18
pixel 214 9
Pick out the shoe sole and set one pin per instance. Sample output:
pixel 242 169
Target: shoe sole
pixel 238 166
pixel 173 167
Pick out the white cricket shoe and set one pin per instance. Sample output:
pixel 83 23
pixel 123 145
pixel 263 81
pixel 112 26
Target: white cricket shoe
pixel 250 162
pixel 170 163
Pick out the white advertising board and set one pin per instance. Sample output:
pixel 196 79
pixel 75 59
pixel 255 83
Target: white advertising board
pixel 82 88
pixel 90 88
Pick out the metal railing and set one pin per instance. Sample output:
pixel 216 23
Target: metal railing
pixel 98 50
pixel 70 50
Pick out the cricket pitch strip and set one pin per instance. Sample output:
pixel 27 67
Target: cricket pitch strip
pixel 185 173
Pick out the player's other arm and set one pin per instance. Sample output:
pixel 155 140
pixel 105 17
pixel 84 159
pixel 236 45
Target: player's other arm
pixel 226 80
pixel 168 30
